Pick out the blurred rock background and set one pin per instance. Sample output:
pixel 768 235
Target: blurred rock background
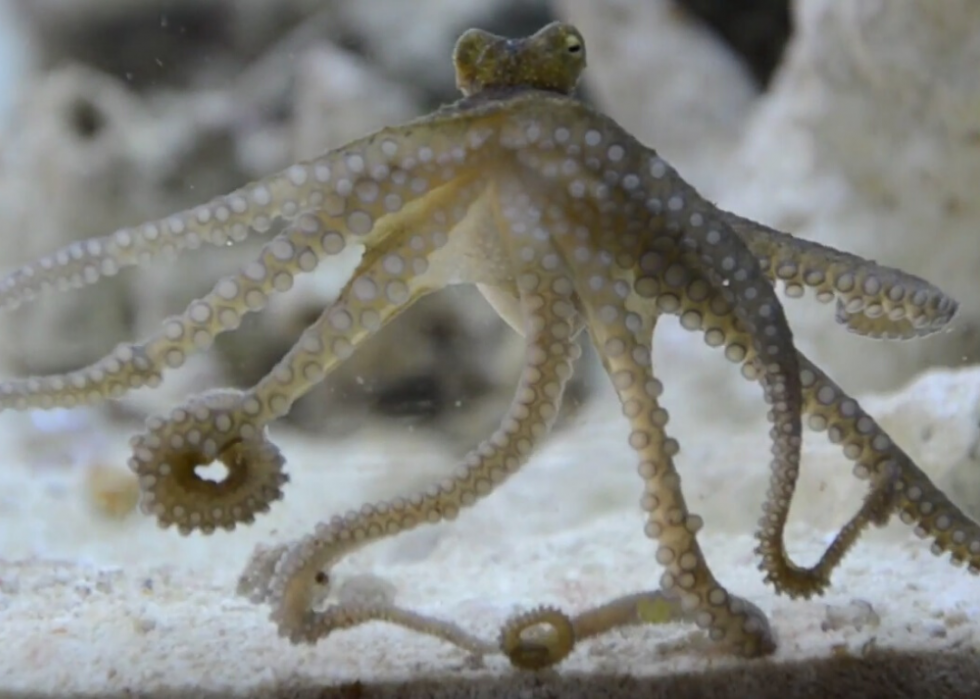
pixel 855 123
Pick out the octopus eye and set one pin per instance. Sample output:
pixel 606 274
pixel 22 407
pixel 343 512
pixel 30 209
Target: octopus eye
pixel 573 44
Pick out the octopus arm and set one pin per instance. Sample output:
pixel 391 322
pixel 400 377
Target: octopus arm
pixel 896 483
pixel 285 577
pixel 231 425
pixel 332 202
pixel 871 299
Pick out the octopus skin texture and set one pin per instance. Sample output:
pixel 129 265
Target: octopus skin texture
pixel 565 222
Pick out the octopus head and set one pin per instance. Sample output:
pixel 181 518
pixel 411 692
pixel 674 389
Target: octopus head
pixel 551 59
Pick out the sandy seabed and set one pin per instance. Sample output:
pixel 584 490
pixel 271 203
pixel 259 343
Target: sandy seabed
pixel 93 606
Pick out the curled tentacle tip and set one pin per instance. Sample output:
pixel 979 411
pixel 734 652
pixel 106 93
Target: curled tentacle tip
pixel 215 426
pixel 905 315
pixel 536 650
pixel 798 586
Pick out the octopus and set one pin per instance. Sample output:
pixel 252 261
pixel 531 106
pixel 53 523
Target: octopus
pixel 565 222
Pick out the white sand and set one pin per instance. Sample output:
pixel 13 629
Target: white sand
pixel 89 605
